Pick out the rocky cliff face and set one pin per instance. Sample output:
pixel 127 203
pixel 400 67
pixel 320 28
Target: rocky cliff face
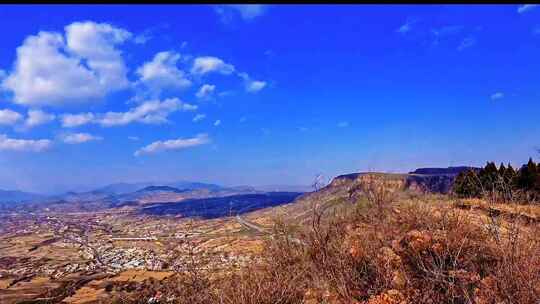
pixel 430 180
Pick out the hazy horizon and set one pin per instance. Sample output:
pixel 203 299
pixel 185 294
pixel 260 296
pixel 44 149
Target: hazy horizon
pixel 261 94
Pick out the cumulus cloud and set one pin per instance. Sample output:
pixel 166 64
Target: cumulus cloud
pixel 526 8
pixel 252 86
pixel 96 42
pixel 466 43
pixel 75 120
pixel 162 72
pixel 199 117
pixel 173 144
pixel 49 70
pixel 208 64
pixel 217 123
pixel 498 95
pixel 205 91
pixel 149 112
pixel 37 117
pixel 79 138
pixel 22 145
pixel 9 117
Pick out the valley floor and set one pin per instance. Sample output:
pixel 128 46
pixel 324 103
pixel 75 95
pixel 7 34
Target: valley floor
pixel 327 247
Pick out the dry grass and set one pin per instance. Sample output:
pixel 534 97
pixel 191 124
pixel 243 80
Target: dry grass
pixel 378 251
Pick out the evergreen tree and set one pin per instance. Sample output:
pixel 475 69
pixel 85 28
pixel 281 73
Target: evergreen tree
pixel 527 176
pixel 502 170
pixel 489 176
pixel 467 184
pixel 510 175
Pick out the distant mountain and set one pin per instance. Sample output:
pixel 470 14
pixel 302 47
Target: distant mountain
pixel 15 196
pixel 162 189
pixel 124 188
pixel 284 188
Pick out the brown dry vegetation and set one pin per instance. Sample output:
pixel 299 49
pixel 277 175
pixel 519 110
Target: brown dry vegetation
pixel 376 250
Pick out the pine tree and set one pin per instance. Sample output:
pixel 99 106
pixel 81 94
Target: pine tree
pixel 467 184
pixel 527 176
pixel 502 170
pixel 510 175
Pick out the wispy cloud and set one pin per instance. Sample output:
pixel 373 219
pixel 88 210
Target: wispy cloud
pixel 526 8
pixel 252 86
pixel 247 12
pixel 343 124
pixel 406 27
pixel 199 117
pixel 466 43
pixel 498 95
pixel 75 120
pixel 148 112
pixel 23 145
pixel 133 138
pixel 9 117
pixel 217 123
pixel 208 64
pixel 79 138
pixel 206 91
pixel 173 144
pixel 37 117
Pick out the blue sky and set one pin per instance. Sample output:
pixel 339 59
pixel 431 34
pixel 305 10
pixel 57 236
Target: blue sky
pixel 258 95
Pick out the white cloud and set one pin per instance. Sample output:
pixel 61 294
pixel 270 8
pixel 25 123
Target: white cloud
pixel 142 38
pixel 37 117
pixel 205 91
pixel 243 119
pixel 247 12
pixel 252 86
pixel 9 117
pixel 134 138
pixel 498 95
pixel 199 117
pixel 97 42
pixel 466 43
pixel 526 8
pixel 404 28
pixel 255 86
pixel 75 120
pixel 162 72
pixel 343 124
pixel 20 145
pixel 217 123
pixel 207 64
pixel 49 69
pixel 79 138
pixel 173 144
pixel 149 112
